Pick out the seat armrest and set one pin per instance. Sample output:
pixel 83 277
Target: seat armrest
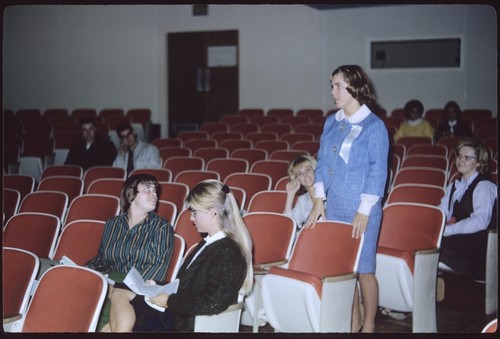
pixel 271 264
pixel 427 251
pixel 337 278
pixel 424 290
pixel 11 318
pixel 234 307
pixel 336 302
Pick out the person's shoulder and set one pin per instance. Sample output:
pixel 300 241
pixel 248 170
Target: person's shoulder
pixel 79 144
pixel 227 244
pixel 103 141
pixel 374 119
pixel 486 180
pixel 116 218
pixel 148 145
pixel 159 221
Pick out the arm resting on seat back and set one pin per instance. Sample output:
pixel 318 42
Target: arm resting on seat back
pixel 424 290
pixel 336 303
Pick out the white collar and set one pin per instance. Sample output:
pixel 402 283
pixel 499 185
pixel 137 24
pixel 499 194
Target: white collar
pixel 357 117
pixel 217 236
pixel 471 178
pixel 414 122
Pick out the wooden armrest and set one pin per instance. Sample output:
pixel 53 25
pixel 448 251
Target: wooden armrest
pixel 7 319
pixel 266 265
pixel 427 251
pixel 342 277
pixel 234 307
pixel 260 271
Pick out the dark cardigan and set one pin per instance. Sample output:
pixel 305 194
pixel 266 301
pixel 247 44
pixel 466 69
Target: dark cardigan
pixel 209 286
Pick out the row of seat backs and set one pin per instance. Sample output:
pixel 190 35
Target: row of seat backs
pixel 60 285
pixel 262 222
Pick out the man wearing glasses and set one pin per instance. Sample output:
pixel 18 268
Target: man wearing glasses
pixel 91 150
pixel 134 153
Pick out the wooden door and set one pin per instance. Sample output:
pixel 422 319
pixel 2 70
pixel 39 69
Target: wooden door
pixel 203 78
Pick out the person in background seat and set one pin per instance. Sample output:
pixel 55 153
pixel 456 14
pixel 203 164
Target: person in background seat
pixel 91 150
pixel 414 125
pixel 452 123
pixel 134 153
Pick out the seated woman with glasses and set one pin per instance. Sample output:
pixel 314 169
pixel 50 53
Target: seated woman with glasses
pixel 469 205
pixel 137 237
pixel 211 276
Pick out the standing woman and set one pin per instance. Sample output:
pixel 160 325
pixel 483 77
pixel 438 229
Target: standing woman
pixel 211 276
pixel 351 173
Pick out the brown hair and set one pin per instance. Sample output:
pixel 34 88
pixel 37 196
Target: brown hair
pixel 130 188
pixel 359 84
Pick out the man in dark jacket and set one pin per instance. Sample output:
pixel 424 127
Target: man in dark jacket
pixel 91 150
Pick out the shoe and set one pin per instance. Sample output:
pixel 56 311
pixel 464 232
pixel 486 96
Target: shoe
pixel 393 314
pixel 440 289
pixel 398 315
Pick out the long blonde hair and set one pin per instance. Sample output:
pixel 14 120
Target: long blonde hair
pixel 214 194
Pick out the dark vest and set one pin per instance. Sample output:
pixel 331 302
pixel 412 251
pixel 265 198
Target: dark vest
pixel 463 209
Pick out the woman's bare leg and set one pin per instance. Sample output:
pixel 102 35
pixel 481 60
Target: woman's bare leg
pixel 121 313
pixel 356 321
pixel 369 293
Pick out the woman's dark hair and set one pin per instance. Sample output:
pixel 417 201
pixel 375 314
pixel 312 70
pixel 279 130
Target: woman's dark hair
pixel 452 105
pixel 130 188
pixel 359 84
pixel 87 120
pixel 413 104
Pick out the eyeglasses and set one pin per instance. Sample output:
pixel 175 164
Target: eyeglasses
pixel 465 157
pixel 148 189
pixel 127 135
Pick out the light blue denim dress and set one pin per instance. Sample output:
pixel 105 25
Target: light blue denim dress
pixel 353 159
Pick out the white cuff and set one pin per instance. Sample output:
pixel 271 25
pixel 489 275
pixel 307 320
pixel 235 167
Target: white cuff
pixel 367 203
pixel 319 190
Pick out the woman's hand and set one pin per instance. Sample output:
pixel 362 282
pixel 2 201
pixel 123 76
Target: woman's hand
pixel 292 187
pixel 317 211
pixel 160 300
pixel 359 225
